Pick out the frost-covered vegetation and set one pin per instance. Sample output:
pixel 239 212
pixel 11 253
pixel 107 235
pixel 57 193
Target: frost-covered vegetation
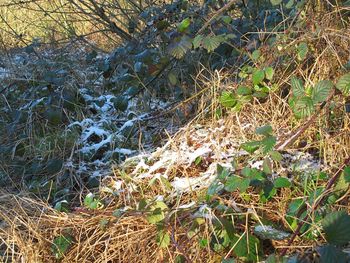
pixel 175 131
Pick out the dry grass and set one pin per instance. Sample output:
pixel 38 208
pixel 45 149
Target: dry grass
pixel 28 226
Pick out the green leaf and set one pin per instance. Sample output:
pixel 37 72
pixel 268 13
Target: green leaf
pixel 248 247
pixel 264 130
pixel 172 78
pixel 163 239
pixel 302 50
pixel 276 2
pixel 282 182
pixel 321 91
pixel 258 77
pixel 226 19
pixel 268 143
pixel 251 147
pixel 62 206
pixel 179 48
pixel 182 27
pixel 197 41
pixel 156 216
pixel 343 84
pixel 61 245
pixel 303 107
pixel 297 87
pixel 91 202
pixel 256 55
pixel 243 91
pixel 331 254
pixel 276 156
pixel 227 99
pixel 210 43
pixel 336 226
pixel 233 183
pixel 267 166
pixel 269 72
pixel 347 174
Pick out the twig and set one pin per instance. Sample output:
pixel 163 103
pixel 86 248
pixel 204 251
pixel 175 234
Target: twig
pixel 178 246
pixel 219 12
pixel 316 204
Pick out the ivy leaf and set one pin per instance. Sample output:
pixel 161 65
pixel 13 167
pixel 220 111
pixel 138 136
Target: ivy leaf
pixel 182 27
pixel 228 99
pixel 321 91
pixel 180 47
pixel 343 84
pixel 61 245
pixel 269 72
pixel 282 182
pixel 303 107
pixel 302 51
pixel 297 87
pixel 258 77
pixel 336 226
pixel 331 254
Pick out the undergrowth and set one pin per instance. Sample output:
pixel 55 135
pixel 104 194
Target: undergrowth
pixel 248 103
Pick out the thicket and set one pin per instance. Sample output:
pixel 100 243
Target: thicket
pixel 272 52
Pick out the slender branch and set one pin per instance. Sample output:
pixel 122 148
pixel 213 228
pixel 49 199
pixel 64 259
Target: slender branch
pixel 218 13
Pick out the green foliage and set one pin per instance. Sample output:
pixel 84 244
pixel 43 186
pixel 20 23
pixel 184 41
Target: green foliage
pixel 61 245
pixel 343 84
pixel 331 254
pixel 321 91
pixel 157 212
pixel 302 50
pixel 258 77
pixel 227 99
pixel 302 102
pixel 336 226
pixel 163 239
pixel 276 2
pixel 91 202
pixel 281 182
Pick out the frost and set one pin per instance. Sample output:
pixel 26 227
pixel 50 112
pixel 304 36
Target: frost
pixel 268 232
